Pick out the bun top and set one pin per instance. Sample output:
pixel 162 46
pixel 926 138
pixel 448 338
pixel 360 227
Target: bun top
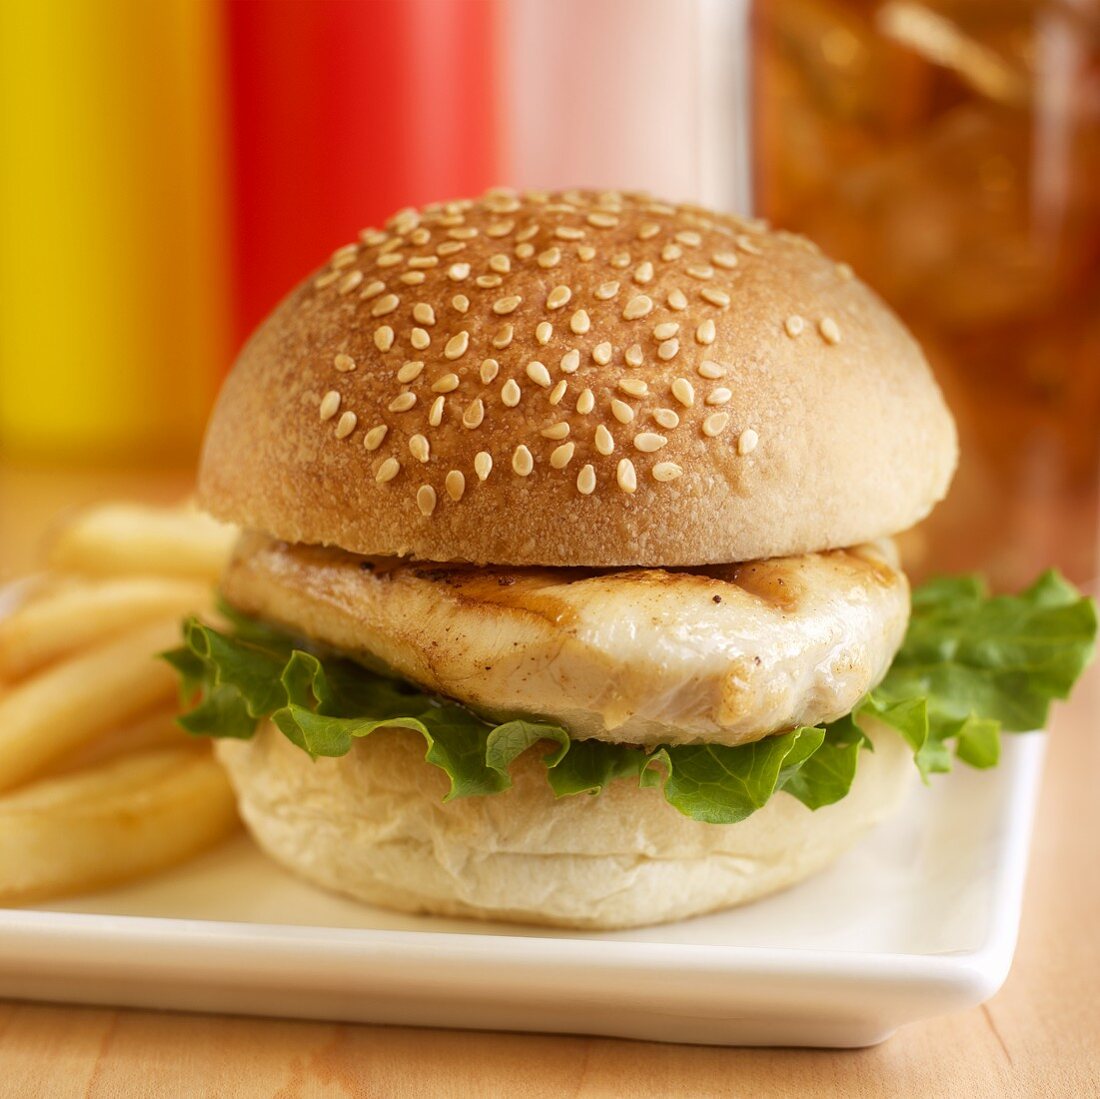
pixel 578 379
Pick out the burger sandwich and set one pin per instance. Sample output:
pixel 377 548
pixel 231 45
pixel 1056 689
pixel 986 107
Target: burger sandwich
pixel 566 592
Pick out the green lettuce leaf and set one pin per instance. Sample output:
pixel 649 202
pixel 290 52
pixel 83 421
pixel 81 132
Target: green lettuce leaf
pixel 971 666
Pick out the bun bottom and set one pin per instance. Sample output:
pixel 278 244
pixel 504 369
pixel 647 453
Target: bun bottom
pixel 373 825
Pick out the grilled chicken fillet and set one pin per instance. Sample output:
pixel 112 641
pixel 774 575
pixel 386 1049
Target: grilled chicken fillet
pixel 725 654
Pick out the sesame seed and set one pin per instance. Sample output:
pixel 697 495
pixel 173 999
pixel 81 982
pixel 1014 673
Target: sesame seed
pixel 647 230
pixel 383 337
pixel 719 395
pixel 689 238
pixel 528 232
pixel 586 480
pixel 489 370
pixel 844 272
pixel 488 282
pixel 419 448
pixel 330 404
pixel 711 370
pixel 384 305
pixel 423 261
pixel 458 271
pixel 544 330
pixel 570 361
pixel 562 455
pixel 671 252
pixel 460 302
pixel 726 260
pixel 419 339
pixel 585 252
pixel 604 440
pixel 635 387
pixel 666 331
pixel 522 461
pixel 621 411
pixel 666 471
pixel 558 392
pixel 455 484
pixel 372 290
pixel 454 218
pixel 794 326
pixel 701 271
pixel 580 322
pixel 503 336
pixel 345 255
pixel 412 278
pixel 538 373
pixel 677 300
pixel 558 297
pixel 666 418
pixel 550 258
pixel 483 464
pixel 746 245
pixel 474 414
pixel 387 471
pixel 606 290
pixel 450 247
pixel 649 441
pixel 457 345
pixel 390 259
pixel 510 393
pixel 327 279
pixel 601 353
pixel 344 363
pixel 568 232
pixel 705 333
pixel 715 424
pixel 602 221
pixel 668 349
pixel 500 229
pixel 586 402
pixel 684 392
pixel 715 296
pixel 371 237
pixel 633 355
pixel 625 476
pixel 661 208
pixel 346 425
pixel 435 413
pixel 466 233
pixel 425 500
pixel 423 313
pixel 402 402
pixel 350 281
pixel 621 260
pixel 555 431
pixel 638 306
pixel 500 263
pixel 830 331
pixel 373 438
pixel 525 251
pixel 506 305
pixel 643 273
pixel 448 383
pixel 420 236
pixel 746 441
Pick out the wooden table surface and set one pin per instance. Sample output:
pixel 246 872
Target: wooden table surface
pixel 1040 1036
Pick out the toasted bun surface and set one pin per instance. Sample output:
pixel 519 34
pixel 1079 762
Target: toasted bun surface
pixel 373 825
pixel 578 379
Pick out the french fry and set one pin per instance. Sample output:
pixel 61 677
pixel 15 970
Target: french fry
pixel 154 730
pixel 71 703
pixel 134 540
pixel 123 819
pixel 74 617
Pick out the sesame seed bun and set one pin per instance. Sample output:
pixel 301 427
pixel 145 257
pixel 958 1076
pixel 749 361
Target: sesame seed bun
pixel 578 379
pixel 373 825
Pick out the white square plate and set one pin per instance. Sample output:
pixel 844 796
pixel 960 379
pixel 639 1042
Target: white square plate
pixel 920 919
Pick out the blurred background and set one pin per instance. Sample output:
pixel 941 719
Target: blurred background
pixel 169 169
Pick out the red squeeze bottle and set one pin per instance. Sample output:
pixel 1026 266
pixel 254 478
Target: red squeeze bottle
pixel 342 113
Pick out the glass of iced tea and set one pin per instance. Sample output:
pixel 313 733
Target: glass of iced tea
pixel 949 150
